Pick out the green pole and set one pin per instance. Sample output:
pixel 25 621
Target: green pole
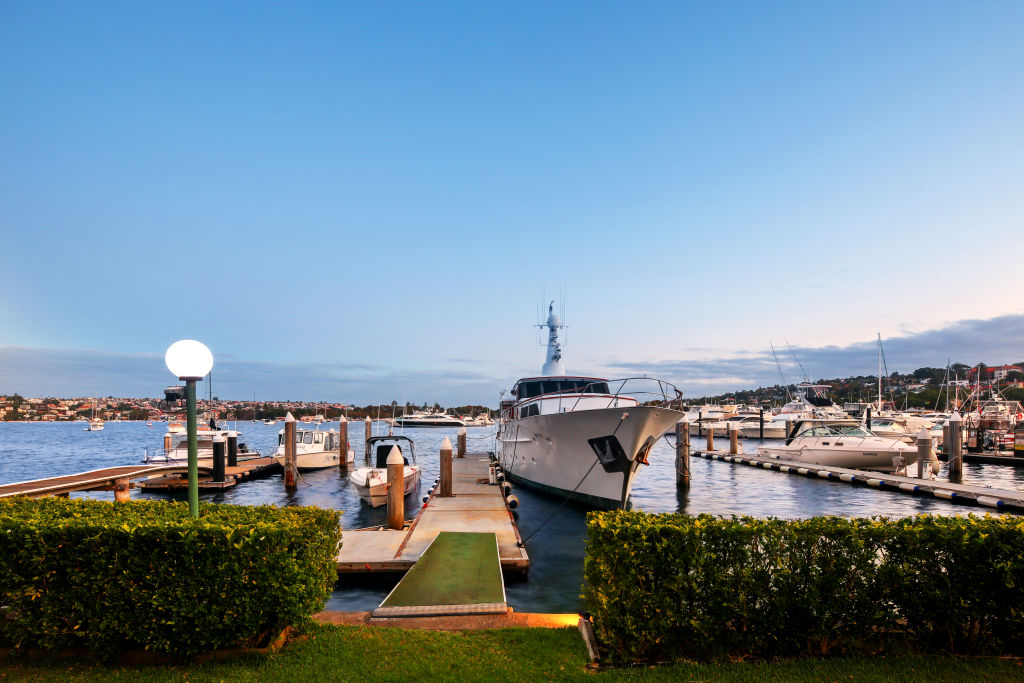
pixel 193 449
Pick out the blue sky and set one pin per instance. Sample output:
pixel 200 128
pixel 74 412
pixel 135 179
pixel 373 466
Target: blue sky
pixel 386 188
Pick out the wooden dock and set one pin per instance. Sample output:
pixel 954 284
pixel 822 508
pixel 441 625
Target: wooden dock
pixel 475 506
pixel 233 474
pixel 107 478
pixel 971 494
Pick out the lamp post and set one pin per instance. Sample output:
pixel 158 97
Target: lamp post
pixel 190 361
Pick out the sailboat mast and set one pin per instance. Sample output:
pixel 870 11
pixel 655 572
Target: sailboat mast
pixel 879 372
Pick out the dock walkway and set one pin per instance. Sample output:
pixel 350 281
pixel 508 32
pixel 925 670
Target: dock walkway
pixel 971 494
pixel 233 474
pixel 475 506
pixel 101 479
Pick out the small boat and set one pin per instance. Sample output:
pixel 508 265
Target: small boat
pixel 175 449
pixel 95 425
pixel 810 402
pixel 371 482
pixel 314 449
pixel 269 421
pixel 842 443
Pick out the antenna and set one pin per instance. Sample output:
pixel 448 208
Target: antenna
pixel 804 372
pixel 779 365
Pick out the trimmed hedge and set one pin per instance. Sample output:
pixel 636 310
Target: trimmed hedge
pixel 106 576
pixel 670 586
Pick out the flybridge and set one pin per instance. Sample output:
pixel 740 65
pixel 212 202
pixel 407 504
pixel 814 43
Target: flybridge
pixel 530 388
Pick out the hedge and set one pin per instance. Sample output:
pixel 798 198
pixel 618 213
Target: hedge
pixel 671 586
pixel 104 576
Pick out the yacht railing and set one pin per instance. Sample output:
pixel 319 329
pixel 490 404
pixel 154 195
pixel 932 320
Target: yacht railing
pixel 657 392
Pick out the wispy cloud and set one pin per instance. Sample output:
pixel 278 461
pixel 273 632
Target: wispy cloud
pixel 73 372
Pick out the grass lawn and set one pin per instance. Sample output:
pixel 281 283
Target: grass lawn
pixel 369 654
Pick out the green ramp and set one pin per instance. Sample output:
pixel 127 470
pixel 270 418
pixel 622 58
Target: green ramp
pixel 459 573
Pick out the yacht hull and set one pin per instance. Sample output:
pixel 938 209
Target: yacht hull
pixel 553 452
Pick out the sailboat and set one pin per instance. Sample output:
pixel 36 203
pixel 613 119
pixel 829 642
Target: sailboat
pixel 583 438
pixel 95 423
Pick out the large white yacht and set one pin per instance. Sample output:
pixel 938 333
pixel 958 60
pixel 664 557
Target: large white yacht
pixel 581 437
pixel 428 419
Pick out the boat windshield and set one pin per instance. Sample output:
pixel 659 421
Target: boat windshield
pixel 834 430
pixel 569 385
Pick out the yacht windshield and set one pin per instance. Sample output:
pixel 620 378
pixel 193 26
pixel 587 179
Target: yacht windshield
pixel 568 385
pixel 835 430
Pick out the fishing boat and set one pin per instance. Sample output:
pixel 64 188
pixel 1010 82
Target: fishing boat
pixel 370 481
pixel 314 449
pixel 841 443
pixel 582 438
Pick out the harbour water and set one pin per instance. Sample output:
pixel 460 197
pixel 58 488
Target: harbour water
pixel 554 530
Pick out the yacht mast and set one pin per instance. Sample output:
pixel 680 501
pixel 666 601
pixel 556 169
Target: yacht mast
pixel 553 363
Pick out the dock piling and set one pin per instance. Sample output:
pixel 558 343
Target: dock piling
pixel 367 433
pixel 710 435
pixel 232 451
pixel 446 468
pixel 289 452
pixel 956 448
pixel 218 459
pixel 121 487
pixel 683 454
pixel 760 424
pixel 461 441
pixel 734 439
pixel 924 453
pixel 396 488
pixel 342 442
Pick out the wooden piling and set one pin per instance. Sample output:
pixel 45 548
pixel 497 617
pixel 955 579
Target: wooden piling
pixel 867 418
pixel 343 442
pixel 760 424
pixel 396 487
pixel 218 459
pixel 924 453
pixel 946 441
pixel 232 451
pixel 683 454
pixel 734 439
pixel 290 478
pixel 446 469
pixel 710 435
pixel 956 454
pixel 367 433
pixel 461 441
pixel 121 487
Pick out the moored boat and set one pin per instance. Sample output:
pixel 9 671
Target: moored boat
pixel 315 449
pixel 370 481
pixel 842 443
pixel 583 438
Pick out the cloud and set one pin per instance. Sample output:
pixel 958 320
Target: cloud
pixel 73 372
pixel 993 341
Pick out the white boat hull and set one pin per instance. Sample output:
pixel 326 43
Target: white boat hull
pixel 317 460
pixel 867 454
pixel 371 483
pixel 551 451
pixel 775 431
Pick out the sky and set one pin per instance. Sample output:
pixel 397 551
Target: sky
pixel 369 201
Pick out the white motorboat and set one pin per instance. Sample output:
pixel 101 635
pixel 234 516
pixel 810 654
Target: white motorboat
pixel 890 427
pixel 95 425
pixel 175 450
pixel 428 419
pixel 370 482
pixel 583 438
pixel 314 449
pixel 842 443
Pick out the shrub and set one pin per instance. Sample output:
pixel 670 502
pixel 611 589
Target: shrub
pixel 669 586
pixel 108 576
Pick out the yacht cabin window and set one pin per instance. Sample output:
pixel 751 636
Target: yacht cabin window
pixel 307 437
pixel 575 385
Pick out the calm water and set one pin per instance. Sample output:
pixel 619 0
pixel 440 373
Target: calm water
pixel 554 530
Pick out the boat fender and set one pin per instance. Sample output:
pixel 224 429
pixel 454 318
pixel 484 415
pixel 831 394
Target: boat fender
pixel 425 499
pixel 500 476
pixel 506 489
pixel 513 502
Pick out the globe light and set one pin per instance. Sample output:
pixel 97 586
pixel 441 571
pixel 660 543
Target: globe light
pixel 189 359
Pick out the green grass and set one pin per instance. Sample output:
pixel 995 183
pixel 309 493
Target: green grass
pixel 458 568
pixel 370 654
